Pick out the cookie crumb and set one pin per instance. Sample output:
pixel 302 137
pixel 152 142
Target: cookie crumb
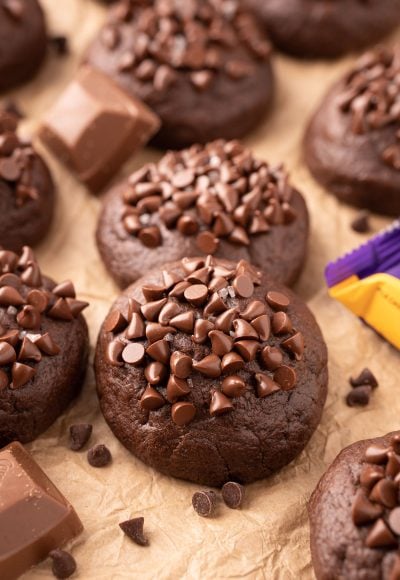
pixel 134 530
pixel 204 503
pixel 64 564
pixel 79 435
pixel 233 494
pixel 99 456
pixel 361 223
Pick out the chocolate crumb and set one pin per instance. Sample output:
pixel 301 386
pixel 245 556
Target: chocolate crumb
pixel 60 44
pixel 366 377
pixel 99 456
pixel 79 435
pixel 64 564
pixel 361 224
pixel 233 494
pixel 359 397
pixel 134 530
pixel 204 503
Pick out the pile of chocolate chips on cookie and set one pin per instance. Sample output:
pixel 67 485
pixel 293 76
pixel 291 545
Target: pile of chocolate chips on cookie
pixel 24 299
pixel 15 160
pixel 376 504
pixel 206 306
pixel 188 36
pixel 372 97
pixel 218 191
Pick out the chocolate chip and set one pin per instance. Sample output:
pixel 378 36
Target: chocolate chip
pixel 281 323
pixel 204 503
pixel 181 364
pixel 151 399
pixel 150 236
pixel 232 363
pixel 63 565
pixel 220 404
pixel 285 377
pixel 176 388
pixel 196 294
pixel 380 536
pixel 135 330
pixel 133 353
pixel 394 520
pixel 183 322
pixel 115 322
pixel 79 435
pixel 210 366
pixel 243 286
pixel 7 354
pixel 233 386
pixel 366 377
pixel 60 44
pixel 363 511
pixel 295 345
pixel 99 456
pixel 183 413
pixel 247 349
pixel 277 300
pixel 207 242
pixel 221 343
pixel 233 494
pixel 29 351
pixel 134 530
pixel 385 493
pixel 359 397
pixel 376 454
pixel 159 351
pixel 21 375
pixel 265 385
pixel 360 223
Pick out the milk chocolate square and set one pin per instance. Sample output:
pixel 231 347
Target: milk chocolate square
pixel 95 126
pixel 34 517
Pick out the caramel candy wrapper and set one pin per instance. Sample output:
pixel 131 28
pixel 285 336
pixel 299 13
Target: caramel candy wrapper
pixel 34 517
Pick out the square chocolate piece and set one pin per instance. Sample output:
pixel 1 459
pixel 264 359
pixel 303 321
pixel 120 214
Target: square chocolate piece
pixel 95 127
pixel 34 517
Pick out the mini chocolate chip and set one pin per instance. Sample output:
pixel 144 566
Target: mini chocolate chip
pixel 366 377
pixel 360 223
pixel 359 396
pixel 233 494
pixel 79 435
pixel 63 565
pixel 99 456
pixel 134 530
pixel 204 503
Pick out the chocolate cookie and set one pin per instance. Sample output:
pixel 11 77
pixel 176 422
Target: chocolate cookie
pixel 326 28
pixel 216 199
pixel 26 190
pixel 23 41
pixel 203 66
pixel 352 145
pixel 209 371
pixel 355 513
pixel 43 347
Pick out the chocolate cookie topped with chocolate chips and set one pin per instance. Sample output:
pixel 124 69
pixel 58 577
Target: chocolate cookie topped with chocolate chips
pixel 43 347
pixel 26 189
pixel 355 513
pixel 326 28
pixel 352 145
pixel 210 372
pixel 215 199
pixel 203 66
pixel 23 41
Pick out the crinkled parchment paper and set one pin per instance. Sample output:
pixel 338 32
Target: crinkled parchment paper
pixel 268 538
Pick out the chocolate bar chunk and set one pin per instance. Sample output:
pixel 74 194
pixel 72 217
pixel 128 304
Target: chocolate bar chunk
pixel 34 517
pixel 95 127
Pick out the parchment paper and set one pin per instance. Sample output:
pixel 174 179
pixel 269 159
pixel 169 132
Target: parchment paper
pixel 269 537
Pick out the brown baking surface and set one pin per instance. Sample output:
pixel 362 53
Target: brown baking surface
pixel 268 537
